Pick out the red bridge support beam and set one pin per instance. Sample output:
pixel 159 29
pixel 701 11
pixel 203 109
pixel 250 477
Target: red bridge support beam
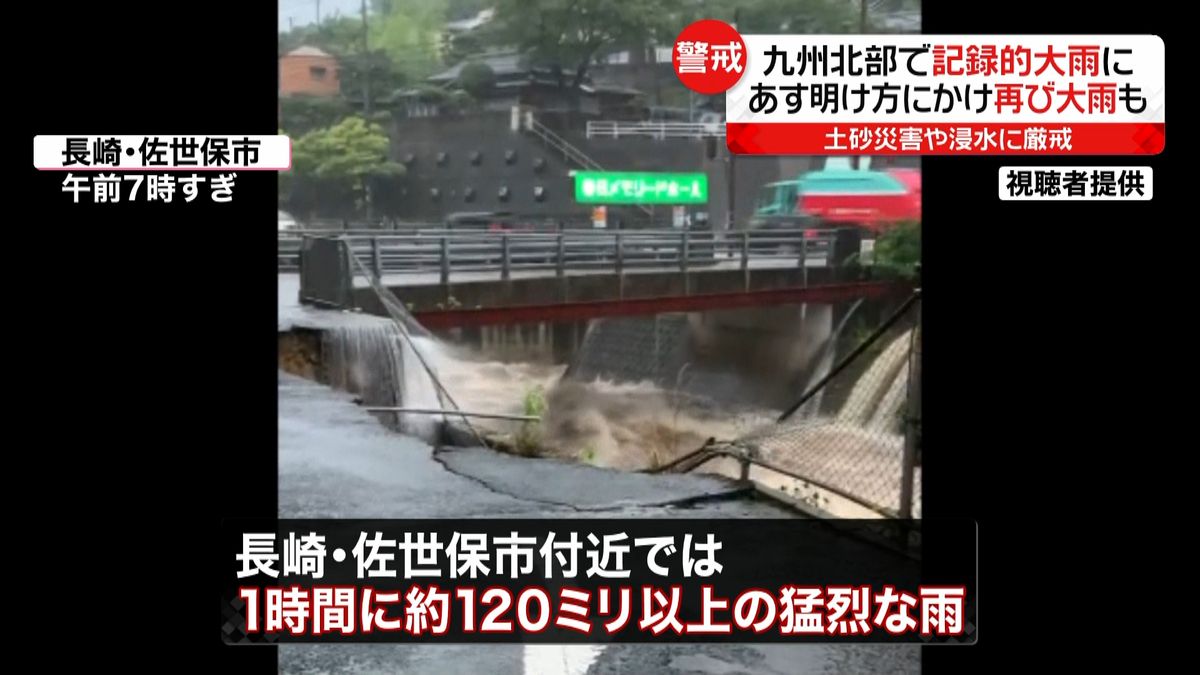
pixel 573 311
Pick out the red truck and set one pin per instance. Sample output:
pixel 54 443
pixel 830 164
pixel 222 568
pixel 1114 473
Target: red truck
pixel 866 199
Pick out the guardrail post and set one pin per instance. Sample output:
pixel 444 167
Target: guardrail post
pixel 804 260
pixel 505 258
pixel 560 260
pixel 684 260
pixel 620 253
pixel 445 260
pixel 376 259
pixel 745 237
pixel 620 260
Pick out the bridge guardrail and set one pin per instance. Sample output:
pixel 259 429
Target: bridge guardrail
pixel 449 252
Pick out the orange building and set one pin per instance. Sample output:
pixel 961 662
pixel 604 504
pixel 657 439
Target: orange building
pixel 308 71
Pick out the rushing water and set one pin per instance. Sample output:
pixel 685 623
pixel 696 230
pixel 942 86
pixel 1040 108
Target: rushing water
pixel 634 394
pixel 375 362
pixel 863 407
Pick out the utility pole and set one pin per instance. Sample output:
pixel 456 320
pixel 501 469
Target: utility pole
pixel 730 215
pixel 366 74
pixel 318 13
pixel 862 28
pixel 366 78
pixel 731 165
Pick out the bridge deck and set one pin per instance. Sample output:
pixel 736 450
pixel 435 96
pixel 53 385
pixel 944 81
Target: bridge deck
pixel 432 277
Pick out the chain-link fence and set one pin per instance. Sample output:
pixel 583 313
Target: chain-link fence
pixel 629 349
pixel 848 443
pixel 854 433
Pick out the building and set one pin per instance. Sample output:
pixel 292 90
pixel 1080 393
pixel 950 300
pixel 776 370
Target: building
pixel 308 71
pixel 518 81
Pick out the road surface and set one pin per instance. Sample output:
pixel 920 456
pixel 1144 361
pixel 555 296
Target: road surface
pixel 336 461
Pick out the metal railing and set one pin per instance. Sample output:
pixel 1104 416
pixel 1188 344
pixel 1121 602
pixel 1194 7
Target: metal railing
pixel 569 152
pixel 346 224
pixel 656 130
pixel 445 255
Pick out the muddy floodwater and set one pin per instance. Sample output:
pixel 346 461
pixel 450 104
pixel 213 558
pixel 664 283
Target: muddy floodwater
pixel 636 393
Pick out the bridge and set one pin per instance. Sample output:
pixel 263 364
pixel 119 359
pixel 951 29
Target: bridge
pixel 460 278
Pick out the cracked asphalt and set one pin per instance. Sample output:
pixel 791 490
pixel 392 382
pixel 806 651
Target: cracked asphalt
pixel 337 461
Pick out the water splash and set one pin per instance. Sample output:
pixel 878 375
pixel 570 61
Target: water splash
pixel 373 361
pixel 871 387
pixel 886 418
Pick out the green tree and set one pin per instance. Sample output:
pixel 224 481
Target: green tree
pixel 350 156
pixel 302 114
pixel 899 249
pixel 343 38
pixel 384 77
pixel 570 34
pixel 410 33
pixel 780 16
pixel 465 9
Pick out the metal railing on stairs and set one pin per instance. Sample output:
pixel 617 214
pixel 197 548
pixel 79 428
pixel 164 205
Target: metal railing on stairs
pixel 569 152
pixel 557 143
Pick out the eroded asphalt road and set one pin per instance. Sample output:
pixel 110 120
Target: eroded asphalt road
pixel 337 461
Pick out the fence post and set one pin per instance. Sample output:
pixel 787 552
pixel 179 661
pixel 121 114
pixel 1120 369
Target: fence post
pixel 684 259
pixel 619 241
pixel 445 260
pixel 505 258
pixel 376 259
pixel 560 259
pixel 912 421
pixel 345 280
pixel 745 260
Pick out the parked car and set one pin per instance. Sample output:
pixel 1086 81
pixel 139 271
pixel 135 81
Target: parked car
pixel 287 222
pixel 480 220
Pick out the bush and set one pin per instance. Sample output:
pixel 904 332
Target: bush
pixel 529 436
pixel 476 79
pixel 899 249
pixel 302 114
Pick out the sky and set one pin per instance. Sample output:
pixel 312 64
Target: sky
pixel 305 11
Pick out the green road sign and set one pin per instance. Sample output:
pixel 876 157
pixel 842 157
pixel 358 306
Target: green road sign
pixel 630 187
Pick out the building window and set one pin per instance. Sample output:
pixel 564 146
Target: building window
pixel 618 57
pixel 317 72
pixel 662 54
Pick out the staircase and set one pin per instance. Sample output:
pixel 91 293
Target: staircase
pixel 569 152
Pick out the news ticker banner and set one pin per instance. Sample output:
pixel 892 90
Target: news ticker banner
pixel 931 94
pixel 165 169
pixel 599 581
